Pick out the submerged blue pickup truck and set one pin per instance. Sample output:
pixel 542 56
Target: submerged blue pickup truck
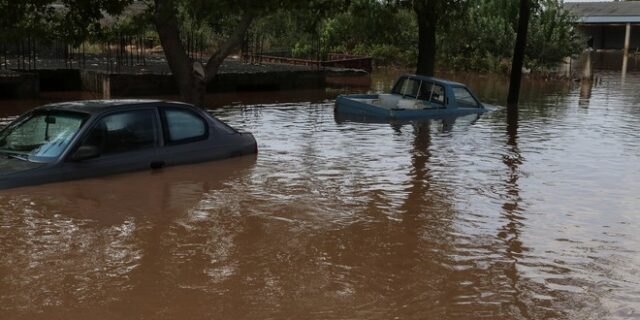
pixel 413 97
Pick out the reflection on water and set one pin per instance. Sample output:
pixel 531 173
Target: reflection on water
pixel 91 243
pixel 338 217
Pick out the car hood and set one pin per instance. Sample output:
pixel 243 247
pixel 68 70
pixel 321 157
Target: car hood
pixel 9 166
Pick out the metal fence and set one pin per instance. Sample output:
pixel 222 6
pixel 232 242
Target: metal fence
pixel 122 53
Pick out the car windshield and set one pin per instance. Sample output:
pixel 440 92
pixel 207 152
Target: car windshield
pixel 40 136
pixel 464 98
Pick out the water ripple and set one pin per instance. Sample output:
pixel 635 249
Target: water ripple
pixel 341 219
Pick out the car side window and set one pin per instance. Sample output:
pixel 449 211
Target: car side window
pixel 425 90
pixel 123 132
pixel 464 98
pixel 184 126
pixel 437 94
pixel 432 92
pixel 407 87
pixel 398 88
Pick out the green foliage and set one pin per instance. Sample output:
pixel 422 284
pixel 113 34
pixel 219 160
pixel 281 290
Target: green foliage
pixel 472 34
pixel 476 35
pixel 286 32
pixel 551 36
pixel 483 39
pixel 215 20
pixel 80 19
pixel 387 54
pixel 19 18
pixel 365 27
pixel 70 20
pixel 302 51
pixel 298 30
pixel 373 28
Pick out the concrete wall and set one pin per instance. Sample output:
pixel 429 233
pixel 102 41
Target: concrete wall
pixel 114 85
pixel 138 85
pixel 60 79
pixel 21 85
pixel 280 80
pixel 120 85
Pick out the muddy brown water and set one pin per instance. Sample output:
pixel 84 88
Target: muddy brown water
pixel 339 219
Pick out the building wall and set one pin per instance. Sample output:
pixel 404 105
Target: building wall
pixel 611 37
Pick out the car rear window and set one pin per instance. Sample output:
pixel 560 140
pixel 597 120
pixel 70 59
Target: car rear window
pixel 184 126
pixel 431 92
pixel 407 87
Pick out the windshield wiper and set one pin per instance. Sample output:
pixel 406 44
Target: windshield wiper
pixel 15 156
pixel 19 157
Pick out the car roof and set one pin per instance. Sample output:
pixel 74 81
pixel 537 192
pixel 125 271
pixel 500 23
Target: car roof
pixel 99 106
pixel 434 79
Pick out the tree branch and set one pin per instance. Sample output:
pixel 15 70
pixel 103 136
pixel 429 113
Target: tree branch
pixel 234 40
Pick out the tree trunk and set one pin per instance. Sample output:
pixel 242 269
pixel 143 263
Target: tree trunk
pixel 191 77
pixel 174 50
pixel 427 22
pixel 518 56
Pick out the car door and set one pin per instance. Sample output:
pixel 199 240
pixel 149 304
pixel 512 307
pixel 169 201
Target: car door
pixel 126 141
pixel 188 137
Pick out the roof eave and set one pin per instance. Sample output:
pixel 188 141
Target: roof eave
pixel 608 19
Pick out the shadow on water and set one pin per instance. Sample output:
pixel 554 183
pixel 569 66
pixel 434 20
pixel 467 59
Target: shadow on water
pixel 585 93
pixel 424 226
pixel 404 249
pixel 513 215
pixel 435 267
pixel 493 276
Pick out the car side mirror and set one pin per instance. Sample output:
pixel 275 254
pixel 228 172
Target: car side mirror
pixel 85 153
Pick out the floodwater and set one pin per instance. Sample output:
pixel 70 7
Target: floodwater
pixel 338 219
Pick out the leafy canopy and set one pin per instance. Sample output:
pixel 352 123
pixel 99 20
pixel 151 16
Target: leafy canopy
pixel 71 20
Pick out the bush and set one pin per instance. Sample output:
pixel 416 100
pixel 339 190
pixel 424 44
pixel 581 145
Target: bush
pixel 302 51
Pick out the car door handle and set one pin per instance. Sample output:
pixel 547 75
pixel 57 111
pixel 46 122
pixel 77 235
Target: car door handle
pixel 157 165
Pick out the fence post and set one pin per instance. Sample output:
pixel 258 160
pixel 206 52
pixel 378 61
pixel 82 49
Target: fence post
pixel 106 86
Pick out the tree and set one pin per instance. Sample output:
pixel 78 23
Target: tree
pixel 301 29
pixel 192 78
pixel 70 20
pixel 518 55
pixel 431 15
pixel 427 23
pixel 385 31
pixel 230 19
pixel 551 35
pixel 483 40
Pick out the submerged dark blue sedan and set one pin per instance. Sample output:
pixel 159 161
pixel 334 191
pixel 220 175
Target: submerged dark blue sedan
pixel 75 140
